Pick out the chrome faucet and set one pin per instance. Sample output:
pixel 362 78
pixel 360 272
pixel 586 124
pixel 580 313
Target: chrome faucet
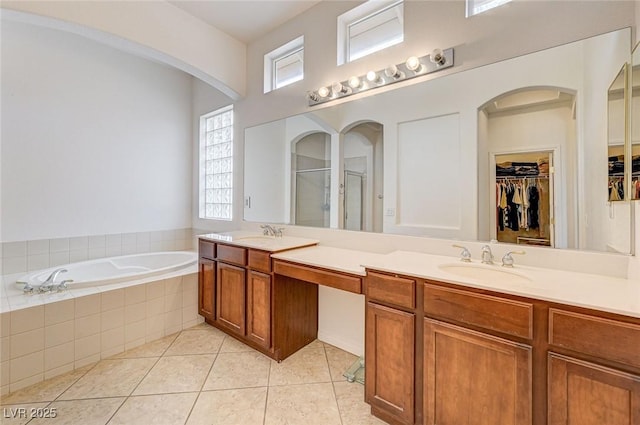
pixel 269 230
pixel 465 255
pixel 507 259
pixel 487 255
pixel 49 283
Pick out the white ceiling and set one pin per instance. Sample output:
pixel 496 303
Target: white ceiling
pixel 246 20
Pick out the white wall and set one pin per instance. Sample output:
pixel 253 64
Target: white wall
pixel 153 29
pixel 94 141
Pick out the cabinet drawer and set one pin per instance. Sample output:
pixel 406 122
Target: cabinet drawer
pixel 260 260
pixel 319 277
pixel 488 312
pixel 391 289
pixel 206 249
pixel 232 254
pixel 604 338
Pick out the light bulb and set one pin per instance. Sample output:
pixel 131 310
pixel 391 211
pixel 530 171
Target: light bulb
pixel 338 88
pixel 392 72
pixel 313 96
pixel 413 64
pixel 373 77
pixel 354 82
pixel 437 57
pixel 323 91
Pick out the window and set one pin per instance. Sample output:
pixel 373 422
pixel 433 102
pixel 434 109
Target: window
pixel 216 164
pixel 284 65
pixel 475 7
pixel 368 28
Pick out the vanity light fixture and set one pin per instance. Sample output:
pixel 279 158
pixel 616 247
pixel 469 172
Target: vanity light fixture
pixel 413 67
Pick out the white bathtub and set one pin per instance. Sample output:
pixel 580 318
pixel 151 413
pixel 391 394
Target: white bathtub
pixel 104 271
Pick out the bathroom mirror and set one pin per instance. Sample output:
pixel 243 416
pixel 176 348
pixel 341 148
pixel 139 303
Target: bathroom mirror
pixel 434 148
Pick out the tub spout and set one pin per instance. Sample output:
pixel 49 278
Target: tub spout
pixel 49 283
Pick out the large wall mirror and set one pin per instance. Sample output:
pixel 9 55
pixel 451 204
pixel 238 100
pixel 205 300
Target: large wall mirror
pixel 432 158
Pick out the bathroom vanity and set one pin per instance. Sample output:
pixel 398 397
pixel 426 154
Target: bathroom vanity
pixel 445 342
pixel 237 293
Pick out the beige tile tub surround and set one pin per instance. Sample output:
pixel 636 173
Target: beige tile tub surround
pixel 44 341
pixel 228 383
pixel 25 256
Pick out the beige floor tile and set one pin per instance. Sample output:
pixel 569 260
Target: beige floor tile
pixel 306 404
pixel 353 409
pixel 339 361
pixel 20 414
pixel 201 326
pixel 232 345
pixel 229 407
pixel 315 344
pixel 47 390
pixel 238 370
pixel 162 409
pixel 151 349
pixel 307 365
pixel 85 412
pixel 110 378
pixel 176 374
pixel 196 342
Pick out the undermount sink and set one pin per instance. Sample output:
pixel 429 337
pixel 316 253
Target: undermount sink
pixel 484 273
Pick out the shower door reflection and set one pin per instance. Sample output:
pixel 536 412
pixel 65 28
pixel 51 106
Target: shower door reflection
pixel 353 200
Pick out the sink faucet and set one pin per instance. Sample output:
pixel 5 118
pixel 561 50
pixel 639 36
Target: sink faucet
pixel 507 260
pixel 465 255
pixel 487 256
pixel 269 230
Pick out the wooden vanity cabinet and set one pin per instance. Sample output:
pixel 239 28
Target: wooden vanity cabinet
pixel 239 294
pixel 206 280
pixel 593 369
pixel 390 341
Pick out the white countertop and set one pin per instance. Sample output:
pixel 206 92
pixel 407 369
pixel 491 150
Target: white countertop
pixel 615 295
pixel 258 241
pixel 338 259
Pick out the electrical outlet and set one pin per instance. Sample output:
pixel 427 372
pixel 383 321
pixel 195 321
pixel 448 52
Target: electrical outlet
pixel 247 201
pixel 390 212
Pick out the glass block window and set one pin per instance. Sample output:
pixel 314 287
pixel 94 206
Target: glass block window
pixel 475 7
pixel 216 147
pixel 368 28
pixel 284 65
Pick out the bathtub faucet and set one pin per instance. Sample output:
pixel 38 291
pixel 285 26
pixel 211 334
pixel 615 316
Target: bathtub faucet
pixel 48 284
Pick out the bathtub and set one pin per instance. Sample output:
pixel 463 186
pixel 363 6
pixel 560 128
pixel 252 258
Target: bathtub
pixel 104 271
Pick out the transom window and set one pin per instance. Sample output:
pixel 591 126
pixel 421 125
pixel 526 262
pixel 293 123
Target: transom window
pixel 368 28
pixel 475 7
pixel 284 65
pixel 216 158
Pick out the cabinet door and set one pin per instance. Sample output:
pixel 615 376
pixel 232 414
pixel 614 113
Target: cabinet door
pixel 473 378
pixel 583 393
pixel 207 288
pixel 259 308
pixel 390 361
pixel 230 300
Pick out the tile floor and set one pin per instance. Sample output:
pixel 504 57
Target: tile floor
pixel 198 376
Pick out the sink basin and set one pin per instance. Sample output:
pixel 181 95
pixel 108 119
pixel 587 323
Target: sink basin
pixel 484 273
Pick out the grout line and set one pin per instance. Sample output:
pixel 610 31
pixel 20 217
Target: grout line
pixel 333 388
